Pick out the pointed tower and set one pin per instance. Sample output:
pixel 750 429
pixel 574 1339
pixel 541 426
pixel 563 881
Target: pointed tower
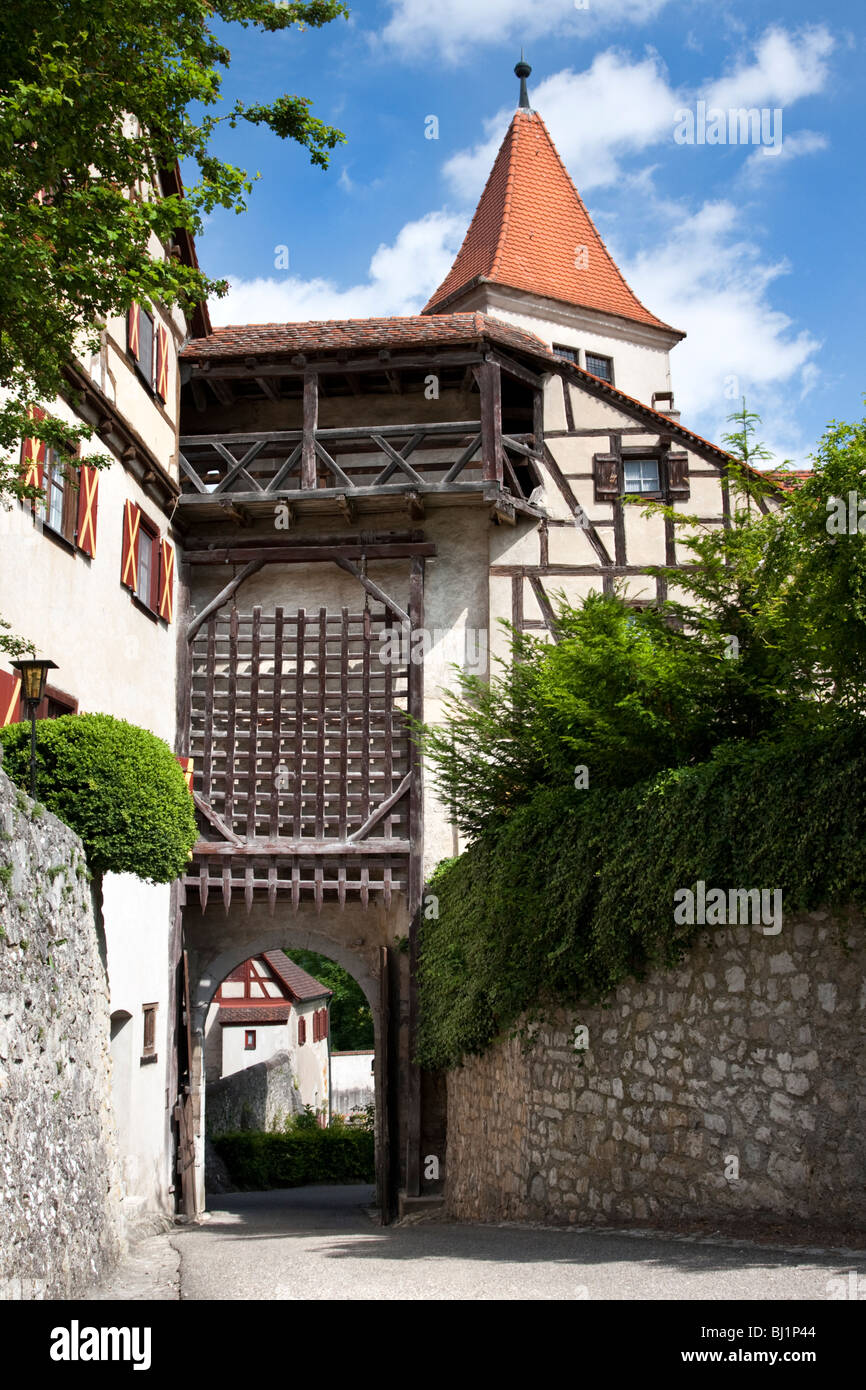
pixel 533 257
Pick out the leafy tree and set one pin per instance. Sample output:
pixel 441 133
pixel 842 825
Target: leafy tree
pixel 770 635
pixel 351 1016
pixel 118 786
pixel 96 98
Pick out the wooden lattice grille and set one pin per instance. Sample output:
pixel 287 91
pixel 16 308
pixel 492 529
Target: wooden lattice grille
pixel 298 727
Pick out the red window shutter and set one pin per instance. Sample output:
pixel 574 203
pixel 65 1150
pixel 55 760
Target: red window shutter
pixel 324 1023
pixel 33 453
pixel 88 499
pixel 315 1026
pixel 10 689
pixel 188 765
pixel 166 580
pixel 162 362
pixel 302 1031
pixel 129 551
pixel 132 330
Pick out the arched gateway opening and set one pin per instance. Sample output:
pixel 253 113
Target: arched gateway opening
pixel 219 944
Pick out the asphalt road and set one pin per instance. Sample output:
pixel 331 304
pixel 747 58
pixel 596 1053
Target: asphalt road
pixel 321 1243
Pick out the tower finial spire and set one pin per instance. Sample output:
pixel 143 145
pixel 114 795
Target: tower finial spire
pixel 523 70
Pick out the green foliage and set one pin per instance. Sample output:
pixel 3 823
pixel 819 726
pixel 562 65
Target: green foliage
pixel 99 98
pixel 260 1162
pixel 119 787
pixel 351 1017
pixel 575 891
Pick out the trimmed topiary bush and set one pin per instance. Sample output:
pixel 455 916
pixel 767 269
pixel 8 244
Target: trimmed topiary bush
pixel 259 1162
pixel 118 786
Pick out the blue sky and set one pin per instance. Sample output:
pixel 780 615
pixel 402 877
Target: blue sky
pixel 759 258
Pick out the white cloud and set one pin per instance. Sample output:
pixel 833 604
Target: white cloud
pixel 619 107
pixel 453 28
pixel 616 107
pixel 401 278
pixel 785 68
pixel 707 275
pixel 792 146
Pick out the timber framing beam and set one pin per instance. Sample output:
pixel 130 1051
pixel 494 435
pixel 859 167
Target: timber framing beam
pixel 217 368
pixel 306 554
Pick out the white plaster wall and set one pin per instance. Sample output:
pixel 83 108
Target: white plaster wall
pixel 641 363
pixel 136 921
pixel 352 1070
pixel 113 659
pixel 270 1038
pixel 311 1059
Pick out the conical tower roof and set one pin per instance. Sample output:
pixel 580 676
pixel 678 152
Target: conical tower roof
pixel 532 232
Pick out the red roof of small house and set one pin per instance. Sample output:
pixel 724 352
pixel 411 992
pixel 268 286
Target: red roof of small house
pixel 252 1012
pixel 332 335
pixel 532 232
pixel 299 984
pixel 788 479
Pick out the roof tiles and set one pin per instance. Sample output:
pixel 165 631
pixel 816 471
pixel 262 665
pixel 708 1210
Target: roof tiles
pixel 532 232
pixel 329 335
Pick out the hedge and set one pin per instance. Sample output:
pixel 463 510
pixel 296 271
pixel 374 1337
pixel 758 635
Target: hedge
pixel 576 892
pixel 258 1162
pixel 118 786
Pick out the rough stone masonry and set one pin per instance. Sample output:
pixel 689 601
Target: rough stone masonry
pixel 59 1181
pixel 733 1086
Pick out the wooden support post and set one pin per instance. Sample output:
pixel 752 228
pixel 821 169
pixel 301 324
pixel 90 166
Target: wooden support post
pixel 416 880
pixel 311 420
pixel 490 386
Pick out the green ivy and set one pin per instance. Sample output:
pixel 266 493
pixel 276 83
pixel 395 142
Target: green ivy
pixel 575 892
pixel 119 787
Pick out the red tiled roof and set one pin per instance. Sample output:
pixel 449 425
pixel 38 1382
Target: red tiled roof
pixel 527 231
pixel 788 479
pixel 252 1011
pixel 329 335
pixel 296 980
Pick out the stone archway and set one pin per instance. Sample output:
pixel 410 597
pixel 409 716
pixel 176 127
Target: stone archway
pixel 359 939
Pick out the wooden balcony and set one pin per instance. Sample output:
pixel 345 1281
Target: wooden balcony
pixel 344 469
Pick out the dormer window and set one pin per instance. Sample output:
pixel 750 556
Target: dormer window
pixel 641 475
pixel 599 366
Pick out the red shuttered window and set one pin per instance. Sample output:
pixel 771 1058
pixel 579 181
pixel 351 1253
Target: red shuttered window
pixel 166 580
pixel 10 690
pixel 162 362
pixel 33 453
pixel 88 501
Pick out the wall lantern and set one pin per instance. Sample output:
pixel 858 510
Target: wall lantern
pixel 33 675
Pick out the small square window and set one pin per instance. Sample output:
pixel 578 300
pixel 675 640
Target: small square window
pixel 600 366
pixel 250 1040
pixel 568 353
pixel 148 1051
pixel 641 475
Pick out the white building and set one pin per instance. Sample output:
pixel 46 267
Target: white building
pixel 268 1004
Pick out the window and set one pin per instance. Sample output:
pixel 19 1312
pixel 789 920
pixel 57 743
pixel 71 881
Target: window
pixel 58 508
pixel 568 353
pixel 148 1051
pixel 250 1040
pixel 146 564
pixel 600 366
pixel 302 1031
pixel 139 341
pixel 641 475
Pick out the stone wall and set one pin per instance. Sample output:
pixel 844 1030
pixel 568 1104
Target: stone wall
pixel 260 1097
pixel 731 1088
pixel 60 1193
